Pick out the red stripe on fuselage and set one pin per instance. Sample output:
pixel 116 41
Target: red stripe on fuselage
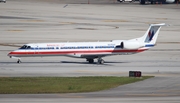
pixel 44 53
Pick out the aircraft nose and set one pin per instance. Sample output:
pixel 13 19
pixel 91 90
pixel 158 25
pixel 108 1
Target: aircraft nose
pixel 10 54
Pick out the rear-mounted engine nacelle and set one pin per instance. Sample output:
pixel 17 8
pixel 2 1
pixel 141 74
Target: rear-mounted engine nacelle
pixel 131 45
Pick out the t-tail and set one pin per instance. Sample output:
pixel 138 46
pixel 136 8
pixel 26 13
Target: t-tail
pixel 150 37
pixel 146 41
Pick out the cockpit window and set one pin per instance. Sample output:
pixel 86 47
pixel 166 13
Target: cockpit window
pixel 28 47
pixel 25 47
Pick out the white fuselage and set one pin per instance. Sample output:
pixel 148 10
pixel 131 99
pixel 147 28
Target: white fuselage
pixel 74 49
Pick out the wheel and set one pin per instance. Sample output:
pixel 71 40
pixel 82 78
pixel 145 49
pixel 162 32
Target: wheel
pixel 90 60
pixel 19 61
pixel 100 61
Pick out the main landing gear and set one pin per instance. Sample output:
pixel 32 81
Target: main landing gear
pixel 99 61
pixel 90 60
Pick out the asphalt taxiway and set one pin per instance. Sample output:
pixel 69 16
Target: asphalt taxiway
pixel 24 22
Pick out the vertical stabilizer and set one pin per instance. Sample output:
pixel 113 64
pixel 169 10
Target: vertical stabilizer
pixel 151 34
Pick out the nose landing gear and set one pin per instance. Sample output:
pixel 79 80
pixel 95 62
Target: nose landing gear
pixel 19 61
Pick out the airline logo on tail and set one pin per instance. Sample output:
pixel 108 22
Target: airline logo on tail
pixel 150 35
pixel 152 32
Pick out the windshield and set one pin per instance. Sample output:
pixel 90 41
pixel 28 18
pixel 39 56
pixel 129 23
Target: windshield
pixel 25 47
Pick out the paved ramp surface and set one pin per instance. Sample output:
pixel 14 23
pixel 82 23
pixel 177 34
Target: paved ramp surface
pixel 24 22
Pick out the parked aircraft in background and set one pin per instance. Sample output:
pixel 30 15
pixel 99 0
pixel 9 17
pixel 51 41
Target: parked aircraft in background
pixel 3 1
pixel 90 50
pixel 157 1
pixel 150 1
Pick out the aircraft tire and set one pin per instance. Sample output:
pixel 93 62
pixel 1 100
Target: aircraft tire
pixel 91 60
pixel 19 61
pixel 100 61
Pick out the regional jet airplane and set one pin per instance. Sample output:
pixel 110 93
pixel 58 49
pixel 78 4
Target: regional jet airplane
pixel 90 50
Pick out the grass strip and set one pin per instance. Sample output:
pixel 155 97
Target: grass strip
pixel 35 85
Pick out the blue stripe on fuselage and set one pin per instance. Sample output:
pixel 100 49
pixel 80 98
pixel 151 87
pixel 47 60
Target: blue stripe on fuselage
pixel 149 45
